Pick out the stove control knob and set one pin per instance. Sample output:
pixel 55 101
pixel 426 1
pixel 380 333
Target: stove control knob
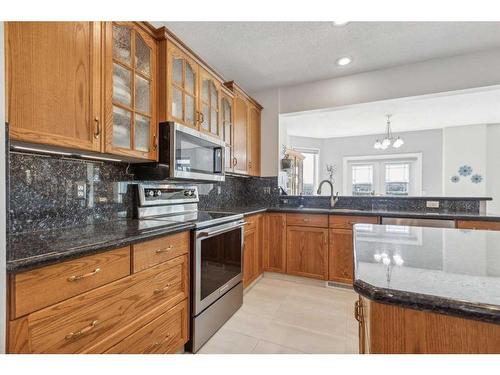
pixel 157 193
pixel 187 193
pixel 150 193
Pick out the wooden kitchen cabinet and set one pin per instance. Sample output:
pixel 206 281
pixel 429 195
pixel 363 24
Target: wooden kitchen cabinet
pixel 341 257
pixel 240 161
pixel 209 103
pixel 478 224
pixel 226 107
pixel 53 83
pixel 274 251
pixel 130 79
pixel 252 249
pixel 307 252
pixel 253 140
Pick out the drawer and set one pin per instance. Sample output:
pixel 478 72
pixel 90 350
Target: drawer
pixel 165 334
pixel 39 288
pixel 346 222
pixel 307 220
pixel 150 253
pixel 477 224
pixel 99 319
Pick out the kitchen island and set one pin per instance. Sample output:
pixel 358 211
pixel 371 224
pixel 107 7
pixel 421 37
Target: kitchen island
pixel 427 290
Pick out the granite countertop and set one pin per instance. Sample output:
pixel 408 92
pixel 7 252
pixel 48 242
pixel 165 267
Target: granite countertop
pixel 29 250
pixel 443 270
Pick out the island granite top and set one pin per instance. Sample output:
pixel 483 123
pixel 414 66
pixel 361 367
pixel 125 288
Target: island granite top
pixel 443 270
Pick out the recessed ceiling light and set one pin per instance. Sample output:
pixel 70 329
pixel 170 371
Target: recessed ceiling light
pixel 340 23
pixel 344 61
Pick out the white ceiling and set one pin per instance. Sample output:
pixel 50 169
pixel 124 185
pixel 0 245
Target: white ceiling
pixel 260 55
pixel 409 114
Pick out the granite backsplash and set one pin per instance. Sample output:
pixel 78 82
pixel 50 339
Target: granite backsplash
pixel 43 192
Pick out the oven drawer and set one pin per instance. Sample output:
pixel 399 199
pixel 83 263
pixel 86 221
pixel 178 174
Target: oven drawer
pixel 96 320
pixel 150 253
pixel 39 288
pixel 165 334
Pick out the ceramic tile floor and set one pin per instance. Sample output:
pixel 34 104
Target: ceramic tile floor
pixel 283 314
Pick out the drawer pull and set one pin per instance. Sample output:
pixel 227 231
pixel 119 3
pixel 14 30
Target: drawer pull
pixel 73 335
pixel 305 220
pixel 159 343
pixel 159 251
pixel 85 275
pixel 161 290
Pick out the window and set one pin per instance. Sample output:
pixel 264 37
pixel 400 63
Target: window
pixel 309 170
pixel 397 178
pixel 399 175
pixel 362 179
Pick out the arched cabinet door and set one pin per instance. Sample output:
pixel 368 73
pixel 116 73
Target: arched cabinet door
pixel 209 104
pixel 226 115
pixel 182 87
pixel 130 91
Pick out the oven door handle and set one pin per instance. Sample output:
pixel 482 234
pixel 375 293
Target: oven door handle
pixel 219 231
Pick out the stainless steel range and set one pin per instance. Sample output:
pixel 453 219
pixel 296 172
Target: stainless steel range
pixel 216 256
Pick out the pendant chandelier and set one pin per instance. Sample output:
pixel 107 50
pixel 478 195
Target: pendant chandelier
pixel 389 139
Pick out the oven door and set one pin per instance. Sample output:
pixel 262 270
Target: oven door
pixel 195 155
pixel 218 262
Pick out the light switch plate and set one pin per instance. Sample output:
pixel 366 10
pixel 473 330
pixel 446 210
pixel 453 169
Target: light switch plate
pixel 432 204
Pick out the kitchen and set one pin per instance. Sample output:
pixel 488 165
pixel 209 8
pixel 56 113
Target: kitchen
pixel 158 205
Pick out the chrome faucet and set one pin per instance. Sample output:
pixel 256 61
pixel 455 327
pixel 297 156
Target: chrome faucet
pixel 333 199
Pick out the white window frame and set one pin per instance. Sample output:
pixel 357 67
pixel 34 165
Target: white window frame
pixel 316 151
pixel 379 173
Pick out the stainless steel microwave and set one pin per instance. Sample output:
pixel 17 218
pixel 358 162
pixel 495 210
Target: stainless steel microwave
pixel 185 153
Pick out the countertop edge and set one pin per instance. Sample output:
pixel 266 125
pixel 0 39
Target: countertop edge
pixel 424 302
pixel 26 264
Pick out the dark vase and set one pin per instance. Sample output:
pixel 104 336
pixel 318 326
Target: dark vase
pixel 286 163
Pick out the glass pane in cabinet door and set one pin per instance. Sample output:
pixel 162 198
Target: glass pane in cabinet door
pixel 205 94
pixel 190 109
pixel 214 96
pixel 214 121
pixel 122 85
pixel 121 127
pixel 121 43
pixel 206 113
pixel 190 79
pixel 176 102
pixel 142 127
pixel 177 71
pixel 142 55
pixel 142 91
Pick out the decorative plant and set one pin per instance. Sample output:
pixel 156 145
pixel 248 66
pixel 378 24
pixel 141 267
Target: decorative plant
pixel 331 170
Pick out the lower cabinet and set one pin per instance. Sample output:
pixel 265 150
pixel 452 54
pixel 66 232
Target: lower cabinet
pixel 252 249
pixel 144 311
pixel 274 251
pixel 307 252
pixel 340 264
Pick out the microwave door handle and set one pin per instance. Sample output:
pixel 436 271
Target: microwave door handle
pixel 219 231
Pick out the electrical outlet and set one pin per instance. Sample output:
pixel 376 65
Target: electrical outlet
pixel 432 204
pixel 81 190
pixel 267 190
pixel 219 190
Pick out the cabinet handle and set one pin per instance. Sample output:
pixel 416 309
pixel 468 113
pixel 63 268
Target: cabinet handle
pixel 158 343
pixel 202 120
pixel 235 161
pixel 85 275
pixel 358 310
pixel 305 220
pixel 97 133
pixel 161 290
pixel 155 143
pixel 170 247
pixel 73 335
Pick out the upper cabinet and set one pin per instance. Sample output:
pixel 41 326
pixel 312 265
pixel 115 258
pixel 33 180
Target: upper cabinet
pixel 246 132
pixel 53 83
pixel 189 93
pixel 83 85
pixel 178 86
pixel 130 91
pixel 226 110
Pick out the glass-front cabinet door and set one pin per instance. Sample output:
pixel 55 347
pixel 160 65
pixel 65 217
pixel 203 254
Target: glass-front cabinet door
pixel 227 129
pixel 209 104
pixel 182 90
pixel 131 76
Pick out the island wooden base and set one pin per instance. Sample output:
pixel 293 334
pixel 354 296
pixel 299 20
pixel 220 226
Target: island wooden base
pixel 390 329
